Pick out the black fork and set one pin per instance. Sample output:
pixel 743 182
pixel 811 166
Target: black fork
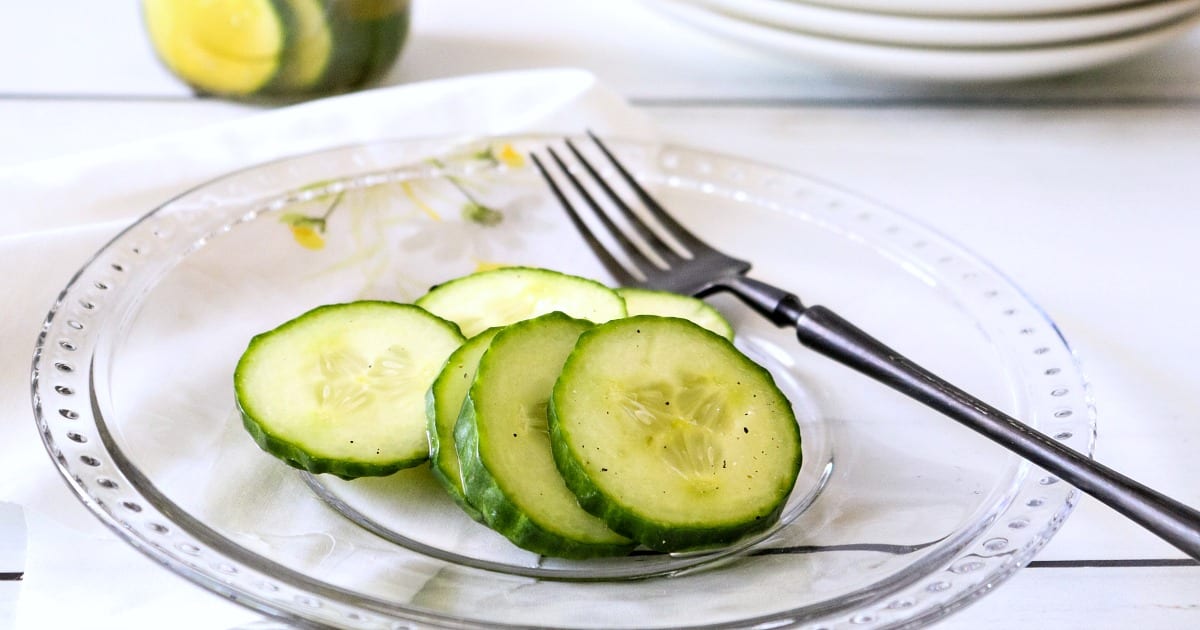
pixel 647 258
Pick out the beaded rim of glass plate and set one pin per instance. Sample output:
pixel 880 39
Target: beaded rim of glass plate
pixel 65 374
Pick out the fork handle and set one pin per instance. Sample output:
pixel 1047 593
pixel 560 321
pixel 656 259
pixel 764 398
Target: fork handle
pixel 831 335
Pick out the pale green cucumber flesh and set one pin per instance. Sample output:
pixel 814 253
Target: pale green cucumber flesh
pixel 671 435
pixel 309 47
pixel 507 295
pixel 504 449
pixel 443 404
pixel 214 54
pixel 640 301
pixel 341 388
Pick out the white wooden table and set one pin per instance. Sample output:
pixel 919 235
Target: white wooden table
pixel 1082 189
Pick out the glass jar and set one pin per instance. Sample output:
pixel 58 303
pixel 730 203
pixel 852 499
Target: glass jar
pixel 277 48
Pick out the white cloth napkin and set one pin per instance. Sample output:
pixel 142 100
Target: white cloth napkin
pixel 76 572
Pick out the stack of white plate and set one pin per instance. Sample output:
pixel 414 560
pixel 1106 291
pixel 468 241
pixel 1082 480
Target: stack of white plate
pixel 949 40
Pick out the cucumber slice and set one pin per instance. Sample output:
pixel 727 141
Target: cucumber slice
pixel 277 47
pixel 504 449
pixel 341 388
pixel 221 46
pixel 355 39
pixel 390 33
pixel 650 302
pixel 503 296
pixel 368 36
pixel 671 435
pixel 339 45
pixel 309 49
pixel 442 406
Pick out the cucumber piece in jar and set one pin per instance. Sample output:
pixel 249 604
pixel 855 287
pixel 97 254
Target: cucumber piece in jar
pixel 227 47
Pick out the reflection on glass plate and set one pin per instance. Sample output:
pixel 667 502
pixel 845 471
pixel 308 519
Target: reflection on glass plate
pixel 899 514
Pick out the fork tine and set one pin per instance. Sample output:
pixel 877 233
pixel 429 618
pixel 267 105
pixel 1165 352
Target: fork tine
pixel 638 260
pixel 680 233
pixel 619 270
pixel 652 240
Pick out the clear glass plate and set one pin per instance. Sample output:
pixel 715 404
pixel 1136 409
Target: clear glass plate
pixel 900 515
